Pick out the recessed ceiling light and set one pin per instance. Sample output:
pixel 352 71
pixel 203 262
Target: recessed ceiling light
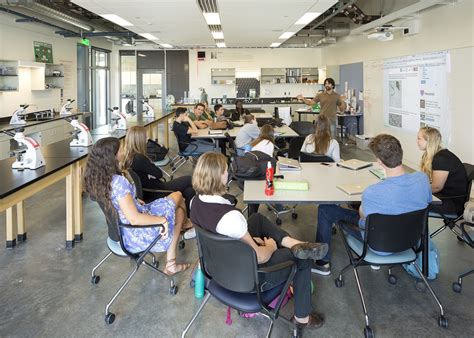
pixel 307 18
pixel 212 18
pixel 275 44
pixel 287 35
pixel 221 44
pixel 117 20
pixel 149 36
pixel 166 45
pixel 218 35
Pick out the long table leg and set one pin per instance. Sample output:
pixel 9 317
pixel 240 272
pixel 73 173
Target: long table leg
pixel 10 229
pixel 20 220
pixel 70 209
pixel 167 129
pixel 78 213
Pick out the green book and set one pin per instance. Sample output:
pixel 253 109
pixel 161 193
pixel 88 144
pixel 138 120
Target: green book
pixel 378 172
pixel 291 185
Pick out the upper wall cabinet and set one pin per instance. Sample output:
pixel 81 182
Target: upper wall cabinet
pixel 223 76
pixel 272 75
pixel 8 76
pixel 293 75
pixel 54 76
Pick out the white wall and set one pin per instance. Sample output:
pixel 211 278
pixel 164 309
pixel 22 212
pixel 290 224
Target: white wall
pixel 16 43
pixel 442 28
pixel 251 60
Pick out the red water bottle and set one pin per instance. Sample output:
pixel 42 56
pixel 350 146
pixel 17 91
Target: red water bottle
pixel 269 188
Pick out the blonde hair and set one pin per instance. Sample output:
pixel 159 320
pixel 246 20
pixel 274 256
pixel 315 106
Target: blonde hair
pixel 135 143
pixel 321 136
pixel 266 133
pixel 432 137
pixel 207 174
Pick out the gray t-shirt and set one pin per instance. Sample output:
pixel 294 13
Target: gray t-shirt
pixel 247 134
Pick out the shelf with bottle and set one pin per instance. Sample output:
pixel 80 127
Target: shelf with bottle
pixel 8 76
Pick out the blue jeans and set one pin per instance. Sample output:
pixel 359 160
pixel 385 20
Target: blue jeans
pixel 328 214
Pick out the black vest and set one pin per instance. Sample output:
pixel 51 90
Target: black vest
pixel 207 215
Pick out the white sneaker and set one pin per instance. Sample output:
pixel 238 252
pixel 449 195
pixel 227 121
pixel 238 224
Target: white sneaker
pixel 375 267
pixel 190 234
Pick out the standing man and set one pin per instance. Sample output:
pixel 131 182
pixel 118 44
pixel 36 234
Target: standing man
pixel 200 117
pixel 330 101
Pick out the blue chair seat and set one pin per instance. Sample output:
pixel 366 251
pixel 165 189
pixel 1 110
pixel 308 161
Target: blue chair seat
pixel 246 302
pixel 163 162
pixel 115 247
pixel 373 258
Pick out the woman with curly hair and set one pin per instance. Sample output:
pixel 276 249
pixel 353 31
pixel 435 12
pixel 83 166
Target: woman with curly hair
pixel 105 183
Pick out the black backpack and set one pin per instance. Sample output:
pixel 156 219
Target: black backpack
pixel 155 151
pixel 252 165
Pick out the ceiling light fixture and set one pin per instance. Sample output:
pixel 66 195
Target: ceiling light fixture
pixel 166 45
pixel 218 35
pixel 307 18
pixel 212 18
pixel 149 36
pixel 221 44
pixel 117 20
pixel 287 35
pixel 275 44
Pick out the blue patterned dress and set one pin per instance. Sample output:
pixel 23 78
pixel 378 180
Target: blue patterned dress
pixel 137 238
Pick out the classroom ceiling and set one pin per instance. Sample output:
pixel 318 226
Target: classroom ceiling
pixel 245 23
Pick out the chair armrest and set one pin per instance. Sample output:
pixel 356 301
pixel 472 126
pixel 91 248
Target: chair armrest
pixel 142 226
pixel 276 267
pixel 351 226
pixel 157 190
pixel 443 197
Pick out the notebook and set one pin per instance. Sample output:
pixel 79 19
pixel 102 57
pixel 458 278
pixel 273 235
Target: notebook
pixel 354 164
pixel 291 185
pixel 352 189
pixel 378 172
pixel 216 132
pixel 288 164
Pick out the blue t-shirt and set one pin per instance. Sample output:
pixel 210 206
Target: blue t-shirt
pixel 396 195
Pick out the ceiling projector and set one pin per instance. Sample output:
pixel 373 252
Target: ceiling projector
pixel 381 36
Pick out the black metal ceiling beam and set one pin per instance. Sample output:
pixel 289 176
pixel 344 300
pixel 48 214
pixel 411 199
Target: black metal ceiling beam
pixel 68 34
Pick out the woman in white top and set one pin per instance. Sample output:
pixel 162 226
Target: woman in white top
pixel 321 142
pixel 265 142
pixel 248 132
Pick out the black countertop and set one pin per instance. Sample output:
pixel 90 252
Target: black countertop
pixel 260 100
pixel 30 121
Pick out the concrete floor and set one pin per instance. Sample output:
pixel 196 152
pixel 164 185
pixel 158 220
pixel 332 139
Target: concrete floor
pixel 46 290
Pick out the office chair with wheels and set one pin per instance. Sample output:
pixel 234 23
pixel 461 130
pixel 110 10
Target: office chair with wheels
pixel 450 219
pixel 232 146
pixel 400 234
pixel 116 246
pixel 184 154
pixel 311 157
pixel 467 231
pixel 233 278
pixel 302 128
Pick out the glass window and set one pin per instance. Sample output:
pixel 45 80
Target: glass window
pixel 128 81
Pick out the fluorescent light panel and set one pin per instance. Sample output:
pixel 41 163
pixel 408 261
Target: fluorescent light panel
pixel 275 44
pixel 166 45
pixel 287 35
pixel 149 36
pixel 221 44
pixel 218 35
pixel 307 18
pixel 212 18
pixel 117 20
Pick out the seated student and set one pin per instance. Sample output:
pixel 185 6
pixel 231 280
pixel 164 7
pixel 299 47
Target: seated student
pixel 200 118
pixel 265 142
pixel 239 111
pixel 398 193
pixel 321 142
pixel 105 183
pixel 272 245
pixel 184 128
pixel 134 157
pixel 444 169
pixel 246 134
pixel 219 112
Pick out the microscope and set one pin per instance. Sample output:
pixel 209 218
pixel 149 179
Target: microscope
pixel 29 158
pixel 66 108
pixel 81 134
pixel 17 117
pixel 121 119
pixel 147 109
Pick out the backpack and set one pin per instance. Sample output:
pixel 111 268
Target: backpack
pixel 155 151
pixel 433 260
pixel 252 165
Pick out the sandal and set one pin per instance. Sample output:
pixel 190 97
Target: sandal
pixel 177 267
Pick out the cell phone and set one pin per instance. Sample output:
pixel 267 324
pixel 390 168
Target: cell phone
pixel 324 163
pixel 279 176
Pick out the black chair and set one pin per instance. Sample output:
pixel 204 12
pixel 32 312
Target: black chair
pixel 233 278
pixel 311 157
pixel 450 219
pixel 232 146
pixel 302 128
pixel 184 154
pixel 294 148
pixel 116 246
pixel 467 232
pixel 400 234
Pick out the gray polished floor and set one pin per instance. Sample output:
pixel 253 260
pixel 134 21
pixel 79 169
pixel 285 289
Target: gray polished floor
pixel 45 290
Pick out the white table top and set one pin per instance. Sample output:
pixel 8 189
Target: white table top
pixel 322 185
pixel 283 131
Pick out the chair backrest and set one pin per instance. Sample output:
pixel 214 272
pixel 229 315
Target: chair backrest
pixel 396 233
pixel 138 183
pixel 111 218
pixel 181 145
pixel 310 157
pixel 303 128
pixel 231 142
pixel 294 147
pixel 470 176
pixel 230 262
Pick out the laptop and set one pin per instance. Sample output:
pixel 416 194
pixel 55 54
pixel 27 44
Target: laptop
pixel 353 189
pixel 261 121
pixel 354 164
pixel 288 164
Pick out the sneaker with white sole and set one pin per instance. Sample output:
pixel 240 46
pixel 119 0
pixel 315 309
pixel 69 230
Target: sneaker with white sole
pixel 190 234
pixel 321 267
pixel 375 267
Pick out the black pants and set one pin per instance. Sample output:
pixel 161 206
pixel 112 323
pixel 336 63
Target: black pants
pixel 260 226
